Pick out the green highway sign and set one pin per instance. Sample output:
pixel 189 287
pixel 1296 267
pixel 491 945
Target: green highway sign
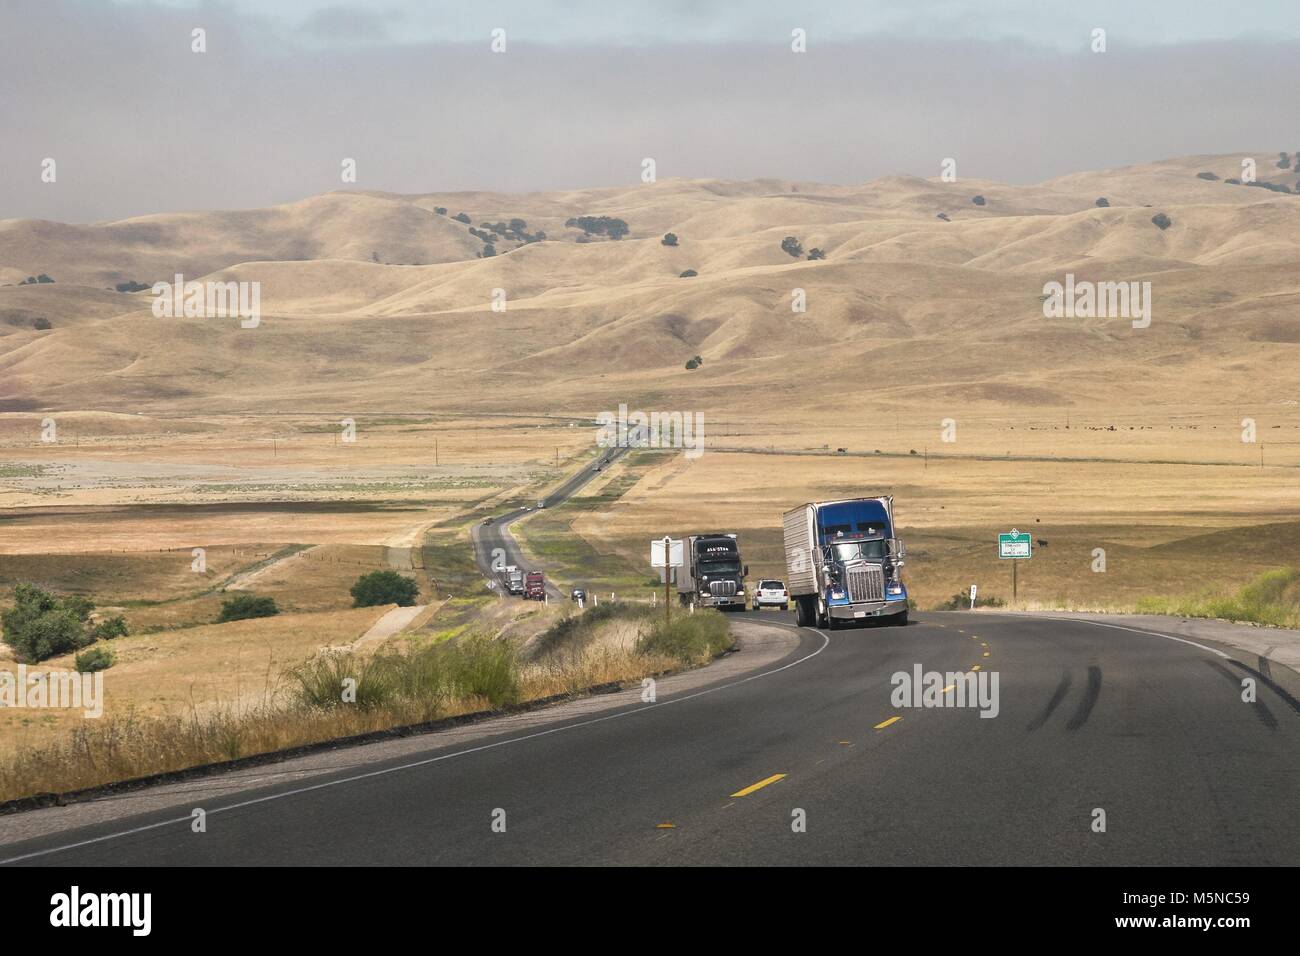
pixel 1017 544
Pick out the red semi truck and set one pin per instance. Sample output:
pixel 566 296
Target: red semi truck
pixel 534 586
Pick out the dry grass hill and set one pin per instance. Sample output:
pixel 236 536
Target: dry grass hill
pixel 907 309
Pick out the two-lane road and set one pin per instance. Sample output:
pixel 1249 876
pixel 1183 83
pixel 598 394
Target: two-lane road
pixel 495 547
pixel 809 761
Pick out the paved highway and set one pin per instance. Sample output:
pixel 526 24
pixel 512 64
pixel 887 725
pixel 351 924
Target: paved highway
pixel 1151 730
pixel 495 539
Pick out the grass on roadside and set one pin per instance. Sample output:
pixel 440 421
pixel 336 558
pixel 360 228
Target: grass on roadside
pixel 415 685
pixel 1273 599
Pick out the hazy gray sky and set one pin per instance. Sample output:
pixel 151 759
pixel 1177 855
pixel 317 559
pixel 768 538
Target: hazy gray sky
pixel 137 123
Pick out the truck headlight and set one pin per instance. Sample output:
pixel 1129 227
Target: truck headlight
pixel 837 595
pixel 895 590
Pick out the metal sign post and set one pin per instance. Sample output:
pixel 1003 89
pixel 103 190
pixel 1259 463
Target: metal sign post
pixel 1016 546
pixel 666 555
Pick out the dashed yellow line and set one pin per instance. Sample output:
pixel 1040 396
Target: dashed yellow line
pixel 975 668
pixel 665 826
pixel 986 653
pixel 949 687
pixel 885 723
pixel 759 786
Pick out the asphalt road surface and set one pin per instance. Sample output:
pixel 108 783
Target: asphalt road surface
pixel 1150 730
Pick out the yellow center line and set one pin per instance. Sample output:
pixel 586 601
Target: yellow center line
pixel 665 826
pixel 975 668
pixel 986 653
pixel 949 687
pixel 885 723
pixel 759 786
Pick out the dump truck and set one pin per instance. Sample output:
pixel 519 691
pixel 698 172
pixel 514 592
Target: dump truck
pixel 844 562
pixel 712 574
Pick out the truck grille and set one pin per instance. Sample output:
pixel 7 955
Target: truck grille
pixel 866 583
pixel 722 588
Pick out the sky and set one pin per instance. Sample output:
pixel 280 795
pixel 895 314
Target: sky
pixel 138 123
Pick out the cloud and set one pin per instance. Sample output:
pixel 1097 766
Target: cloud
pixel 139 124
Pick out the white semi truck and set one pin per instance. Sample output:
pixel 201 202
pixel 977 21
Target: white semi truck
pixel 844 562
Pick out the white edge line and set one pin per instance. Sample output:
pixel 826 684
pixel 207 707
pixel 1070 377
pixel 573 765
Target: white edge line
pixel 1121 627
pixel 418 763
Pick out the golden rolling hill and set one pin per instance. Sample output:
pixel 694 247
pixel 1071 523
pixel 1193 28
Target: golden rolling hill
pixel 906 310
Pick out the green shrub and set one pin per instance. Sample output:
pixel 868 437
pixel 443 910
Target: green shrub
pixel 41 625
pixel 1273 598
pixel 384 587
pixel 245 606
pixel 95 659
pixel 689 638
pixel 108 629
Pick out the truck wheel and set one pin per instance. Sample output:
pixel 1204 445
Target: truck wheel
pixel 900 620
pixel 801 616
pixel 823 617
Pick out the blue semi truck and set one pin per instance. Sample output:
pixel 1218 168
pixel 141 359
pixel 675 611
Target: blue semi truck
pixel 844 562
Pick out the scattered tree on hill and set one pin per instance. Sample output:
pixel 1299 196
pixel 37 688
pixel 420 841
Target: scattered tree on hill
pixel 943 216
pixel 384 587
pixel 245 606
pixel 816 254
pixel 1283 161
pixel 1209 177
pixel 694 363
pixel 1162 221
pixel 488 252
pixel 132 286
pixel 374 257
pixel 1232 182
pixel 462 217
pixel 978 200
pixel 792 247
pixel 599 226
pixel 669 239
pixel 40 323
pixel 440 210
pixel 41 625
pixel 36 280
pixel 688 274
pixel 1102 202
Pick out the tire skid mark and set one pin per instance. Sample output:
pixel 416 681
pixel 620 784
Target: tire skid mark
pixel 1058 695
pixel 1090 695
pixel 1261 709
pixel 1271 684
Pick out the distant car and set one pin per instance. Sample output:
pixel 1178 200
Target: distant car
pixel 596 468
pixel 487 520
pixel 771 593
pixel 577 594
pixel 541 504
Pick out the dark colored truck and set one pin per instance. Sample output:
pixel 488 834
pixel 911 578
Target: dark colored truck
pixel 534 586
pixel 712 574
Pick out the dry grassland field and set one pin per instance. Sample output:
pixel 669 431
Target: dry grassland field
pixel 381 407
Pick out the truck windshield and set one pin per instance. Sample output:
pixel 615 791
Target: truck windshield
pixel 853 550
pixel 719 567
